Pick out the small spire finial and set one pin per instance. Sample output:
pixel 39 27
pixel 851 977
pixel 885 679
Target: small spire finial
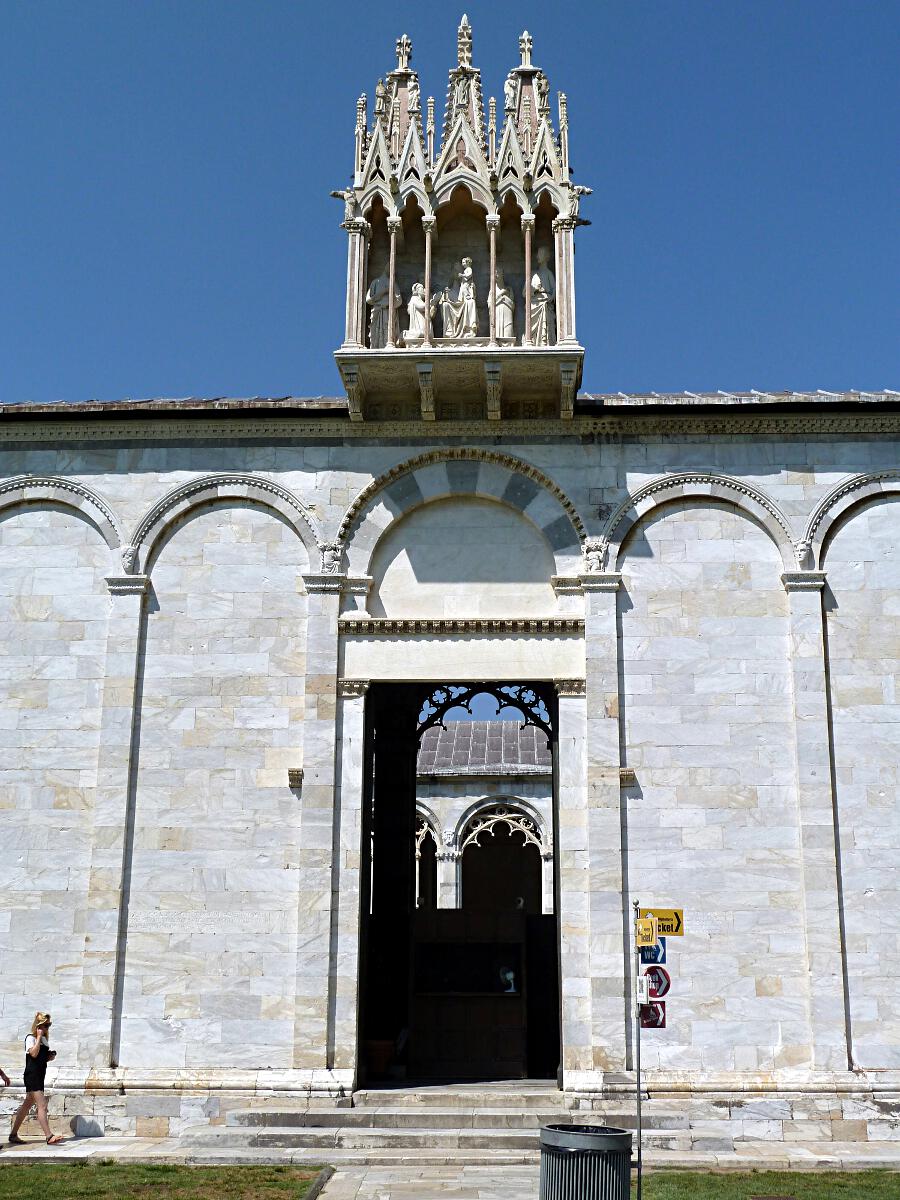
pixel 525 44
pixel 464 43
pixel 404 53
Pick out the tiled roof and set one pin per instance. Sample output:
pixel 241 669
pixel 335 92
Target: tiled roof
pixel 484 748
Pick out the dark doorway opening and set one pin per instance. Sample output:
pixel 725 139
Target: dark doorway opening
pixel 469 991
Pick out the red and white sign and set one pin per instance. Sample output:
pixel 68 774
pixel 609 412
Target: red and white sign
pixel 660 981
pixel 653 1016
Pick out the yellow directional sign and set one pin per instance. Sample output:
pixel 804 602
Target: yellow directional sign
pixel 645 932
pixel 671 920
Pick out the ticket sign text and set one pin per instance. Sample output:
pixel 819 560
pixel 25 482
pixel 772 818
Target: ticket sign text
pixel 671 920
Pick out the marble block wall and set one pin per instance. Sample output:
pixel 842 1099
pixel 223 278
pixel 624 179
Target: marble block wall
pixel 862 567
pixel 210 964
pixel 53 620
pixel 712 817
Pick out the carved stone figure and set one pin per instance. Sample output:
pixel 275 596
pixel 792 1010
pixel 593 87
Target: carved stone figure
pixel 378 299
pixel 575 193
pixel 331 557
pixel 542 87
pixel 504 307
pixel 380 98
pixel 509 93
pixel 459 314
pixel 413 103
pixel 419 320
pixel 543 295
pixel 129 558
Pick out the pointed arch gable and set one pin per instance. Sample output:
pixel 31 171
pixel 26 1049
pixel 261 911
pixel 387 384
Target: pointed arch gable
pixel 463 472
pixel 837 504
pixel 32 489
pixel 187 496
pixel 688 485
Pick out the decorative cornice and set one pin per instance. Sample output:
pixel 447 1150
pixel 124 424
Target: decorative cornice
pixel 442 625
pixel 83 425
pixel 127 585
pixel 352 689
pixel 803 581
pixel 569 687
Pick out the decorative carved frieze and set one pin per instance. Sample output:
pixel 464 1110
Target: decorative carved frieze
pixel 426 390
pixel 352 689
pixel 569 687
pixel 444 625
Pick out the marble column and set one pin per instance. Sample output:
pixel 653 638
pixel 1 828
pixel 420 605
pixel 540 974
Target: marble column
pixel 346 880
pixel 316 824
pixel 356 268
pixel 564 234
pixel 819 847
pixel 606 868
pixel 493 224
pixel 394 225
pixel 448 862
pixel 428 224
pixel 104 919
pixel 528 231
pixel 573 893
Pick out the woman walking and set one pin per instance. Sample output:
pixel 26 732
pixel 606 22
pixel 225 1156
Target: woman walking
pixel 37 1055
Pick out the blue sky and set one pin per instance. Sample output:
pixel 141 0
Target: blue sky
pixel 167 227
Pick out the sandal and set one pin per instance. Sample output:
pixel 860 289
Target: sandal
pixel 55 1140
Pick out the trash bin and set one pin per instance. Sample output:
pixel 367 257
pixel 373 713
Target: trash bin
pixel 585 1162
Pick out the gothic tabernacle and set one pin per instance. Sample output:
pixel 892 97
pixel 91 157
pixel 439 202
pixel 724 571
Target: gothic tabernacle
pixel 340 735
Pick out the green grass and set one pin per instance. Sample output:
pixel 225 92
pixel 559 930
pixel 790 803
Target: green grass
pixel 113 1181
pixel 799 1185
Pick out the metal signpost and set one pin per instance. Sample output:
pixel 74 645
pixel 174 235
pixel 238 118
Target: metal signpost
pixel 649 988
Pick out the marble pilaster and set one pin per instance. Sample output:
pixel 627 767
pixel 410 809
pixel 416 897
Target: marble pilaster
pixel 818 841
pixel 104 920
pixel 317 818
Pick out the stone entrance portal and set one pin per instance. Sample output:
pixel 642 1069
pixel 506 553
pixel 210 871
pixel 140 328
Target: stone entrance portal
pixel 459 946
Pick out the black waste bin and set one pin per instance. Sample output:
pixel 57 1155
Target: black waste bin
pixel 585 1162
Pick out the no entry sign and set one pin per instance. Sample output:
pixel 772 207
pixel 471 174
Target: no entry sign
pixel 660 981
pixel 653 1016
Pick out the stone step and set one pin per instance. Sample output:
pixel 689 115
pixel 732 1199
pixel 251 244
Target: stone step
pixel 430 1117
pixel 464 1096
pixel 489 1140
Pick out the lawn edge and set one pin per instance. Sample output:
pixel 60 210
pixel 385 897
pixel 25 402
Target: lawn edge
pixel 318 1183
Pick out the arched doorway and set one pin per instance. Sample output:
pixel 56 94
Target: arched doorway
pixel 460 938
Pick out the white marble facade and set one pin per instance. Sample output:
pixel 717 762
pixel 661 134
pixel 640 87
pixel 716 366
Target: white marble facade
pixel 720 610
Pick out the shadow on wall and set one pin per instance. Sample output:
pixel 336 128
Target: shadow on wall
pixel 427 563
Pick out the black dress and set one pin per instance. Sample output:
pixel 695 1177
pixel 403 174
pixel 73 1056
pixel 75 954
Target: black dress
pixel 36 1068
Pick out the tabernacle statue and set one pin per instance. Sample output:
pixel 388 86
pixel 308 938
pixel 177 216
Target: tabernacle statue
pixel 504 307
pixel 377 297
pixel 419 320
pixel 458 313
pixel 543 294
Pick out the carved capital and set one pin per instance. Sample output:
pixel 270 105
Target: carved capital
pixel 627 777
pixel 428 224
pixel 492 220
pixel 295 778
pixel 127 585
pixel 394 224
pixel 352 689
pixel 358 226
pixel 602 581
pixel 322 584
pixel 566 585
pixel 803 581
pixel 528 222
pixel 569 687
pixel 564 224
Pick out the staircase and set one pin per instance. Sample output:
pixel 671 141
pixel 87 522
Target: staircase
pixel 459 1125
